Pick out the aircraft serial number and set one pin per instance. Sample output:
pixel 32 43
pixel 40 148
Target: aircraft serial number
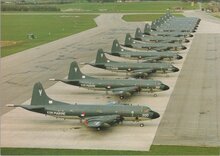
pixel 56 113
pixel 112 68
pixel 145 115
pixel 88 85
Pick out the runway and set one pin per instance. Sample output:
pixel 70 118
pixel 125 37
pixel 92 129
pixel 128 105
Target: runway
pixel 192 115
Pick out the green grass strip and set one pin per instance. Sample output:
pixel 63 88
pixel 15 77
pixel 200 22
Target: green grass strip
pixel 45 27
pixel 127 7
pixel 155 150
pixel 144 17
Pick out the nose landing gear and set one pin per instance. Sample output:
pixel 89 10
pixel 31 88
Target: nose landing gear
pixel 141 125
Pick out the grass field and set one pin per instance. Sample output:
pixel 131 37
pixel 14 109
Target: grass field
pixel 155 150
pixel 216 15
pixel 135 7
pixel 46 28
pixel 144 17
pixel 16 27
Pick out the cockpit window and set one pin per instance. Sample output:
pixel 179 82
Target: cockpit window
pixel 158 83
pixel 146 110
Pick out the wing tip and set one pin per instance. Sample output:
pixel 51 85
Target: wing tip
pixel 52 79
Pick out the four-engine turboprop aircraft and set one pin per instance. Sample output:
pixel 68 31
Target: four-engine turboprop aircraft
pixel 130 42
pixel 137 70
pixel 171 23
pixel 153 56
pixel 164 39
pixel 124 88
pixel 149 31
pixel 94 116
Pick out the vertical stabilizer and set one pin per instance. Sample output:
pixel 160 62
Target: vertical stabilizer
pixel 100 57
pixel 138 34
pixel 128 40
pixel 154 25
pixel 116 47
pixel 147 29
pixel 75 73
pixel 39 97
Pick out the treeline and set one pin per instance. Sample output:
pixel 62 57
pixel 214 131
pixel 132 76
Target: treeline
pixel 14 7
pixel 101 1
pixel 38 1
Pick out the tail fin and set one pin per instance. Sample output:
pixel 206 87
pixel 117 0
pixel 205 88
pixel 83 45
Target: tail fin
pixel 157 23
pixel 39 97
pixel 75 73
pixel 128 40
pixel 147 29
pixel 116 47
pixel 154 25
pixel 100 57
pixel 138 34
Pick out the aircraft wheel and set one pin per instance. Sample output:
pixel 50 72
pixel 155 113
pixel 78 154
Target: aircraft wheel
pixel 155 95
pixel 122 97
pixel 141 125
pixel 98 129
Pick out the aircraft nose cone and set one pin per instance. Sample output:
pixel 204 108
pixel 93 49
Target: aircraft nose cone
pixel 164 87
pixel 186 41
pixel 179 57
pixel 175 69
pixel 184 47
pixel 190 35
pixel 155 115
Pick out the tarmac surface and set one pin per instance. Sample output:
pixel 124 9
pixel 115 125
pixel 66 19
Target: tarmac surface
pixel 192 117
pixel 20 128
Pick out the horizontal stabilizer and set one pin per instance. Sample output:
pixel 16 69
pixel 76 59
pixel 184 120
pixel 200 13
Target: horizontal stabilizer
pixel 11 105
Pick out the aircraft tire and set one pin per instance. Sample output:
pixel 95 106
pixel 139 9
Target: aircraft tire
pixel 141 125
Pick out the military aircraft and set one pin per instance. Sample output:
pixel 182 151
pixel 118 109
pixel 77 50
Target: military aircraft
pixel 94 116
pixel 173 26
pixel 165 39
pixel 149 31
pixel 137 70
pixel 170 23
pixel 147 56
pixel 130 42
pixel 123 88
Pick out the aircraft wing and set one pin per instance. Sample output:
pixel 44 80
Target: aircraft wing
pixel 162 48
pixel 102 121
pixel 152 59
pixel 125 91
pixel 143 73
